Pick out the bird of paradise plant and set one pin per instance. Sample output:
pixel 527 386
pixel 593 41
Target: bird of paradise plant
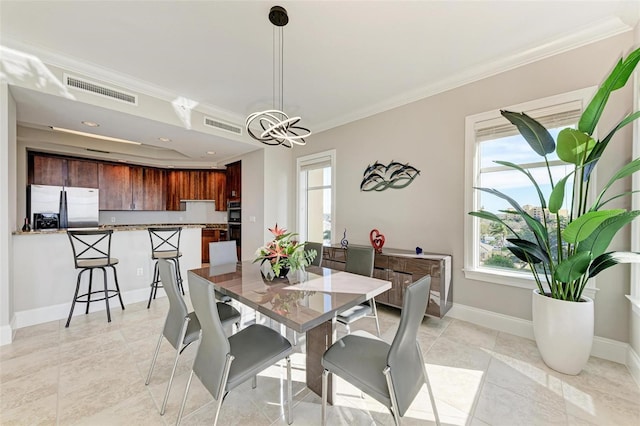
pixel 581 251
pixel 284 252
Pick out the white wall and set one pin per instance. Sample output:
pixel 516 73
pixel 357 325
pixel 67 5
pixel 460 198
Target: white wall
pixel 7 209
pixel 429 134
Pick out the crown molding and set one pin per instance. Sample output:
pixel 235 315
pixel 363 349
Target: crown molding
pixel 602 30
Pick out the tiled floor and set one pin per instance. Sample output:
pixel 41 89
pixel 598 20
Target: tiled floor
pixel 93 374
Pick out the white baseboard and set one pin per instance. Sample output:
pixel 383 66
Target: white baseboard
pixel 633 364
pixel 61 311
pixel 611 350
pixel 7 332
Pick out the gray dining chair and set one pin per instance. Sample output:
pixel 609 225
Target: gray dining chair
pixel 181 327
pixel 360 261
pixel 222 253
pixel 391 374
pixel 222 363
pixel 318 247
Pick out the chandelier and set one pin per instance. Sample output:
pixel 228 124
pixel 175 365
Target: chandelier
pixel 273 126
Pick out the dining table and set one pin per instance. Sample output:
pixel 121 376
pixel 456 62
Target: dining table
pixel 306 301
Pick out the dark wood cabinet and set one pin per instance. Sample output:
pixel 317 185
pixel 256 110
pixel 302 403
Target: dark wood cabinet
pixel 402 268
pixel 82 173
pixel 115 187
pixel 149 189
pixel 234 181
pixel 196 185
pixel 127 187
pixel 61 171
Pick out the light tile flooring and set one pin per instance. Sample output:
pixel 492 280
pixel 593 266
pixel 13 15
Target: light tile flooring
pixel 93 374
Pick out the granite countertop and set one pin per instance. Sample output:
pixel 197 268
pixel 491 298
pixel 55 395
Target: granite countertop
pixel 138 227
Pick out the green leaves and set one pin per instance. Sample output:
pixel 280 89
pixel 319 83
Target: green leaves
pixel 583 226
pixel 598 241
pixel 572 268
pixel 627 170
pixel 617 79
pixel 536 135
pixel 557 195
pixel 574 146
pixel 607 260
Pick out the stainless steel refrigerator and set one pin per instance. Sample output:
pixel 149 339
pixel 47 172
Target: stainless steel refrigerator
pixel 76 207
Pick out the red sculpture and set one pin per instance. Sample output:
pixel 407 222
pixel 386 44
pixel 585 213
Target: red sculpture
pixel 377 240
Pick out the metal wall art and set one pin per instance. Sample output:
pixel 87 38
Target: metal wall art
pixel 378 177
pixel 344 243
pixel 377 240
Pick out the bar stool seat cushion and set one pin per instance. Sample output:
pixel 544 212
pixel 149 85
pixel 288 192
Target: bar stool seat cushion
pixel 97 263
pixel 359 358
pixel 170 254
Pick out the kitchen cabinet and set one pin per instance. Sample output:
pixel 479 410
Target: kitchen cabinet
pixel 148 188
pixel 82 173
pixel 234 181
pixel 61 171
pixel 402 268
pixel 125 187
pixel 115 187
pixel 196 185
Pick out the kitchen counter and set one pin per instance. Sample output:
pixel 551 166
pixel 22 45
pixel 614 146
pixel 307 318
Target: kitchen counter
pixel 45 276
pixel 138 227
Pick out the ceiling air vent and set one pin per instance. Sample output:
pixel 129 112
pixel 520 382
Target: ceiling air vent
pixel 231 128
pixel 99 89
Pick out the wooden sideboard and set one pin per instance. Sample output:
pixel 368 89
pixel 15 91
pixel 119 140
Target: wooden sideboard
pixel 402 268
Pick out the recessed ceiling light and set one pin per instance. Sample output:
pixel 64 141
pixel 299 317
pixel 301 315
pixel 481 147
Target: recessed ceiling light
pixel 90 124
pixel 171 167
pixel 163 139
pixel 211 152
pixel 93 135
pixel 122 161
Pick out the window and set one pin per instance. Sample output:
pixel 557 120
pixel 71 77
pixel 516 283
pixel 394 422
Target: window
pixel 316 207
pixel 490 137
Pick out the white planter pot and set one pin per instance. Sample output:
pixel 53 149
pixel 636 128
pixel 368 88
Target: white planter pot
pixel 563 332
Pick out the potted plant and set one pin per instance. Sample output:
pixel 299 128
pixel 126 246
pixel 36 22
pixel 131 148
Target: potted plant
pixel 562 316
pixel 284 253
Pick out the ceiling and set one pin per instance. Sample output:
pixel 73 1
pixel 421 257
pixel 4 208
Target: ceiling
pixel 342 60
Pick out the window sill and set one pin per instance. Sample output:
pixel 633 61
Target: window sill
pixel 520 281
pixel 635 303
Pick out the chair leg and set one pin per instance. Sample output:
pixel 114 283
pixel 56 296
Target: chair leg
pixel 426 380
pixel 89 293
pixel 106 294
pixel 183 332
pixel 184 399
pixel 254 382
pixel 289 392
pixel 325 373
pixel 75 296
pixel 374 310
pixel 223 385
pixel 154 283
pixel 392 393
pixel 153 360
pixel 115 278
pixel 346 326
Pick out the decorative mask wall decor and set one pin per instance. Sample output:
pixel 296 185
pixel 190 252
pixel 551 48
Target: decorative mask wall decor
pixel 378 177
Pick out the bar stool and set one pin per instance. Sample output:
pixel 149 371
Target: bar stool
pixel 165 244
pixel 92 250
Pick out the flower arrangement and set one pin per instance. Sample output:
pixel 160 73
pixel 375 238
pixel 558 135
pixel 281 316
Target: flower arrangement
pixel 284 252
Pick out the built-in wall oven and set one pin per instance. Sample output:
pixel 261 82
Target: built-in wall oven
pixel 234 213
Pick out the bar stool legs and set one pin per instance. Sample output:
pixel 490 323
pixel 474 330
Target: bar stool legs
pixel 86 297
pixel 156 282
